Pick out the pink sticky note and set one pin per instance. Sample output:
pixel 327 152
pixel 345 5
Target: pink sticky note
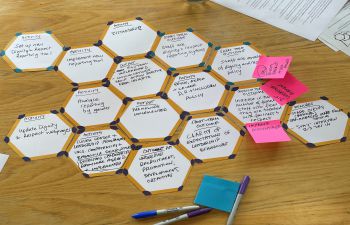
pixel 284 90
pixel 267 131
pixel 272 67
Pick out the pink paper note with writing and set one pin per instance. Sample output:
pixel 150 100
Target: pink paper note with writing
pixel 284 90
pixel 267 131
pixel 272 67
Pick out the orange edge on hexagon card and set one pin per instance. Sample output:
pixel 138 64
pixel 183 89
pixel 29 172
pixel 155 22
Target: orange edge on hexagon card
pixel 130 159
pixel 177 125
pixel 141 140
pixel 144 97
pixel 111 71
pixel 134 57
pixel 201 112
pixel 186 151
pixel 209 49
pixel 178 131
pixel 123 135
pixel 171 80
pixel 284 112
pixel 110 51
pixel 117 92
pixel 120 112
pixel 9 62
pixel 100 174
pixel 125 130
pixel 161 62
pixel 135 183
pixel 75 164
pixel 15 149
pixel 175 106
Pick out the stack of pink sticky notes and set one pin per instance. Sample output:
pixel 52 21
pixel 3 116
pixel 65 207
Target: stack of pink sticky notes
pixel 267 131
pixel 283 86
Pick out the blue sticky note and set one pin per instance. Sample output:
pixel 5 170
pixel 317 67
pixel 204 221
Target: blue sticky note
pixel 217 193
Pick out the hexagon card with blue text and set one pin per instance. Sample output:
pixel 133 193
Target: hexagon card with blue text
pixel 235 63
pixel 196 91
pixel 186 49
pixel 91 106
pixel 32 51
pixel 209 137
pixel 128 37
pixel 40 135
pixel 99 151
pixel 158 168
pixel 139 77
pixel 317 122
pixel 84 64
pixel 248 104
pixel 152 119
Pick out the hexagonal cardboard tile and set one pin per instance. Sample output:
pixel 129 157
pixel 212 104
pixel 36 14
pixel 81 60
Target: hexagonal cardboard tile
pixel 84 65
pixel 317 122
pixel 99 151
pixel 209 137
pixel 196 92
pixel 150 119
pixel 40 135
pixel 139 77
pixel 235 63
pixel 32 51
pixel 88 106
pixel 158 168
pixel 247 104
pixel 182 50
pixel 128 37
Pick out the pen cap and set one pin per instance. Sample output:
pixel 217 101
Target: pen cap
pixel 244 184
pixel 198 212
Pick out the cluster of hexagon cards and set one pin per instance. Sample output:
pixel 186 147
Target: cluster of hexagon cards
pixel 150 105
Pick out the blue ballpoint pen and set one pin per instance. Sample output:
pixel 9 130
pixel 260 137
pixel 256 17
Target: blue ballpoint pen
pixel 164 211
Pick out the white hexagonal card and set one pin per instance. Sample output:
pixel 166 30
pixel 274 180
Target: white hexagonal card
pixel 235 63
pixel 158 169
pixel 99 151
pixel 247 104
pixel 32 51
pixel 183 50
pixel 91 106
pixel 150 119
pixel 84 65
pixel 140 77
pixel 196 92
pixel 211 137
pixel 317 122
pixel 40 135
pixel 128 37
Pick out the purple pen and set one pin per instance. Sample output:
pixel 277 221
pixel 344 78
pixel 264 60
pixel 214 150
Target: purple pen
pixel 242 188
pixel 186 216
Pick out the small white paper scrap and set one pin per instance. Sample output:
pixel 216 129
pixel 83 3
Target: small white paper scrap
pixel 3 159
